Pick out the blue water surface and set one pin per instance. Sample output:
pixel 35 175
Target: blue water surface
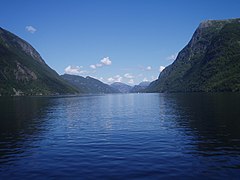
pixel 121 136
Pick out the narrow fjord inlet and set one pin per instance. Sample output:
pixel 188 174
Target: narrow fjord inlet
pixel 140 89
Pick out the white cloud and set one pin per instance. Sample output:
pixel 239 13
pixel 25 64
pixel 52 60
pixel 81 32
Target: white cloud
pixel 106 61
pixel 145 79
pixel 31 29
pixel 76 70
pixel 116 78
pixel 93 66
pixel 149 68
pixel 161 68
pixel 131 81
pixel 172 57
pixel 110 80
pixel 128 76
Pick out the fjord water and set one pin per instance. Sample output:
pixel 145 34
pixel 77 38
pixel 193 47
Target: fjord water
pixel 121 136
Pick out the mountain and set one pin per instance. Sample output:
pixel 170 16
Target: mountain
pixel 88 84
pixel 123 88
pixel 140 87
pixel 209 63
pixel 24 72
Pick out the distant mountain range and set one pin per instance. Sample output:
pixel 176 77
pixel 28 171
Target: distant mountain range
pixel 121 87
pixel 89 84
pixel 140 88
pixel 24 72
pixel 209 63
pixel 94 86
pixel 124 88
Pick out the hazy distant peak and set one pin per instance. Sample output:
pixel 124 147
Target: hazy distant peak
pixel 144 83
pixel 122 87
pixel 88 84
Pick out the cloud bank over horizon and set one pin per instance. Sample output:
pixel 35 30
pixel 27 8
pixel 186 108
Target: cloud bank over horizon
pixel 129 76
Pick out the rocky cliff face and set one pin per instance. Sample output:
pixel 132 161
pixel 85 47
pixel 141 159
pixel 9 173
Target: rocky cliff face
pixel 209 62
pixel 24 72
pixel 12 41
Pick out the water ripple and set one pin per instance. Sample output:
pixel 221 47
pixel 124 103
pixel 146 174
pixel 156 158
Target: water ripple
pixel 146 136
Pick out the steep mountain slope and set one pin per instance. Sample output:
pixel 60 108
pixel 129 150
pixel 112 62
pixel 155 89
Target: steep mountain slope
pixel 24 72
pixel 209 63
pixel 88 84
pixel 123 88
pixel 140 87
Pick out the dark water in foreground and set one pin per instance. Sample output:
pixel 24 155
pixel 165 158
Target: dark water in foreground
pixel 131 136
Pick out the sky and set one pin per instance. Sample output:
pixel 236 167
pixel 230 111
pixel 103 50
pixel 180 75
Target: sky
pixel 127 41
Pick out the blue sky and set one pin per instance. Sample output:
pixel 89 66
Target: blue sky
pixel 112 40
